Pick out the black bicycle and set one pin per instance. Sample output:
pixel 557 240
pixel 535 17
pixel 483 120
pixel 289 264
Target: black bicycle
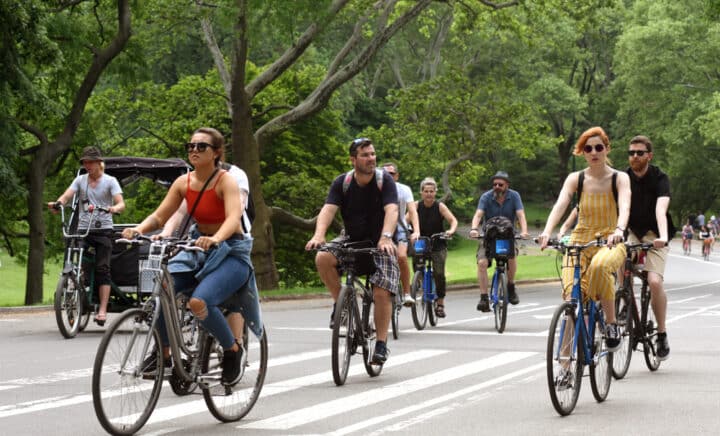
pixel 354 319
pixel 128 375
pixel 637 326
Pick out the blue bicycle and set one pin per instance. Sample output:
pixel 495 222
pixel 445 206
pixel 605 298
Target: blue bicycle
pixel 575 339
pixel 423 282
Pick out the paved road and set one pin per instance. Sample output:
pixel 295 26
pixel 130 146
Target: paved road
pixel 458 378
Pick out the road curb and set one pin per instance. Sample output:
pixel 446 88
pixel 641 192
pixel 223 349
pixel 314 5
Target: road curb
pixel 290 297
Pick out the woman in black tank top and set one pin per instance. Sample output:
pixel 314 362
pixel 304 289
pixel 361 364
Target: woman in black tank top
pixel 431 214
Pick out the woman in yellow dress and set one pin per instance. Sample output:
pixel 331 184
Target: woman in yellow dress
pixel 599 212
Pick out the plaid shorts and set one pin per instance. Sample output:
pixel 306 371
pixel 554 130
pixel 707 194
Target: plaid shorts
pixel 387 272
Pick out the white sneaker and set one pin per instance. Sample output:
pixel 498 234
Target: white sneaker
pixel 408 301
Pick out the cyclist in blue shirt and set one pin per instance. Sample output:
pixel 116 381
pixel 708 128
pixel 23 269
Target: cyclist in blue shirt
pixel 499 201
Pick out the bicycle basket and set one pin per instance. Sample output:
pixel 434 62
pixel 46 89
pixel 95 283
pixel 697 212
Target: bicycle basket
pixel 420 245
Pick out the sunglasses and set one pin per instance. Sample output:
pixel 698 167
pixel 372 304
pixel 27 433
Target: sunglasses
pixel 598 148
pixel 499 185
pixel 199 146
pixel 640 153
pixel 359 141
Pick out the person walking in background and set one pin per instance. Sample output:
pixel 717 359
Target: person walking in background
pixel 95 188
pixel 499 201
pixel 431 214
pixel 403 237
pixel 598 212
pixel 650 222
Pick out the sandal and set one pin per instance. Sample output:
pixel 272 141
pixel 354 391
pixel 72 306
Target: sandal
pixel 100 319
pixel 440 311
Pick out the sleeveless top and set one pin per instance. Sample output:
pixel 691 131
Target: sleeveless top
pixel 598 214
pixel 211 209
pixel 431 222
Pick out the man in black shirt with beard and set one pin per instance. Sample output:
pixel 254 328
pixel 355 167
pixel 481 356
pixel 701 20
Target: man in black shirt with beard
pixel 650 222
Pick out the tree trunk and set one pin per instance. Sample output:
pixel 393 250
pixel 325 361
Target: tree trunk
pixel 36 221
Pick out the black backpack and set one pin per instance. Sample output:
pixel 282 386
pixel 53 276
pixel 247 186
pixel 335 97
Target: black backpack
pixel 499 227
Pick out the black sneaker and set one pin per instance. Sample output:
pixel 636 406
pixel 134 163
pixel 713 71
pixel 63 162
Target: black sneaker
pixel 612 337
pixel 484 303
pixel 233 365
pixel 149 366
pixel 564 380
pixel 663 348
pixel 380 354
pixel 512 295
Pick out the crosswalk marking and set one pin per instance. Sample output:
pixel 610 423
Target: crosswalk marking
pixel 199 406
pixel 373 396
pixel 475 333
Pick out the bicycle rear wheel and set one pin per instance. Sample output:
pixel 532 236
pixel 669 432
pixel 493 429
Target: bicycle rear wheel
pixel 430 308
pixel 395 320
pixel 601 364
pixel 623 311
pixel 343 335
pixel 564 360
pixel 124 393
pixel 68 306
pixel 419 309
pixel 370 332
pixel 500 307
pixel 232 403
pixel 650 334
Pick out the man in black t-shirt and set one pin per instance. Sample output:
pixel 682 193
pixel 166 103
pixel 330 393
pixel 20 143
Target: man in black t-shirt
pixel 650 222
pixel 368 203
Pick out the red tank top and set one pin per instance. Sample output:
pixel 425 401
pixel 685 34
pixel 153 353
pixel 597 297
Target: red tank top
pixel 211 209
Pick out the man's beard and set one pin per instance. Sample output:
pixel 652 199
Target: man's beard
pixel 498 193
pixel 639 167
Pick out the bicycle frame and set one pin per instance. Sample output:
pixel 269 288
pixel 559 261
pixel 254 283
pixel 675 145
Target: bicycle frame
pixel 639 319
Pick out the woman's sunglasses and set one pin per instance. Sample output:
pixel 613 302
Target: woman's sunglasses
pixel 598 148
pixel 199 146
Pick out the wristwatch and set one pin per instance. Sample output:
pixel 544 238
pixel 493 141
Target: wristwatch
pixel 387 235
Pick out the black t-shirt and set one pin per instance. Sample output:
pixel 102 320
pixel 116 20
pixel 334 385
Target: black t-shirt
pixel 431 222
pixel 363 207
pixel 645 192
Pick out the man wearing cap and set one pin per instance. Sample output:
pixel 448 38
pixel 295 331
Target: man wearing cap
pixel 97 189
pixel 499 201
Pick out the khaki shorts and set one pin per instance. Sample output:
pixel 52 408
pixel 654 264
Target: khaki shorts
pixel 655 259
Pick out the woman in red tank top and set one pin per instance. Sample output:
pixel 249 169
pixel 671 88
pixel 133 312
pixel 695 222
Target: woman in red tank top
pixel 218 222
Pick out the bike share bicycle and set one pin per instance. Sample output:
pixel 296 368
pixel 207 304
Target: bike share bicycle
pixel 636 327
pixel 354 318
pixel 422 286
pixel 499 249
pixel 125 391
pixel 575 339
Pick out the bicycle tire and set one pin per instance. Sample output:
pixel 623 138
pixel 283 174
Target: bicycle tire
pixel 232 403
pixel 419 309
pixel 623 311
pixel 343 342
pixel 601 363
pixel 649 333
pixel 395 320
pixel 560 339
pixel 68 306
pixel 430 308
pixel 370 332
pixel 124 395
pixel 500 308
pixel 190 328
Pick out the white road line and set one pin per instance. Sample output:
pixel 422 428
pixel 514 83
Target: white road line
pixel 441 400
pixel 70 400
pixel 696 285
pixel 475 333
pixel 199 406
pixel 689 299
pixel 373 396
pixel 694 312
pixel 510 314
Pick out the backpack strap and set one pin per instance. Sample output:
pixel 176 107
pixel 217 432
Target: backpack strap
pixel 581 178
pixel 349 176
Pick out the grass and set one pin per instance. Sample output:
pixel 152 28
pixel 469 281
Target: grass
pixel 460 269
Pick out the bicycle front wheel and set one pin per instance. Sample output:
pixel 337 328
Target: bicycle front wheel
pixel 650 335
pixel 370 332
pixel 343 335
pixel 564 360
pixel 500 307
pixel 601 364
pixel 419 309
pixel 68 306
pixel 124 392
pixel 232 403
pixel 623 311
